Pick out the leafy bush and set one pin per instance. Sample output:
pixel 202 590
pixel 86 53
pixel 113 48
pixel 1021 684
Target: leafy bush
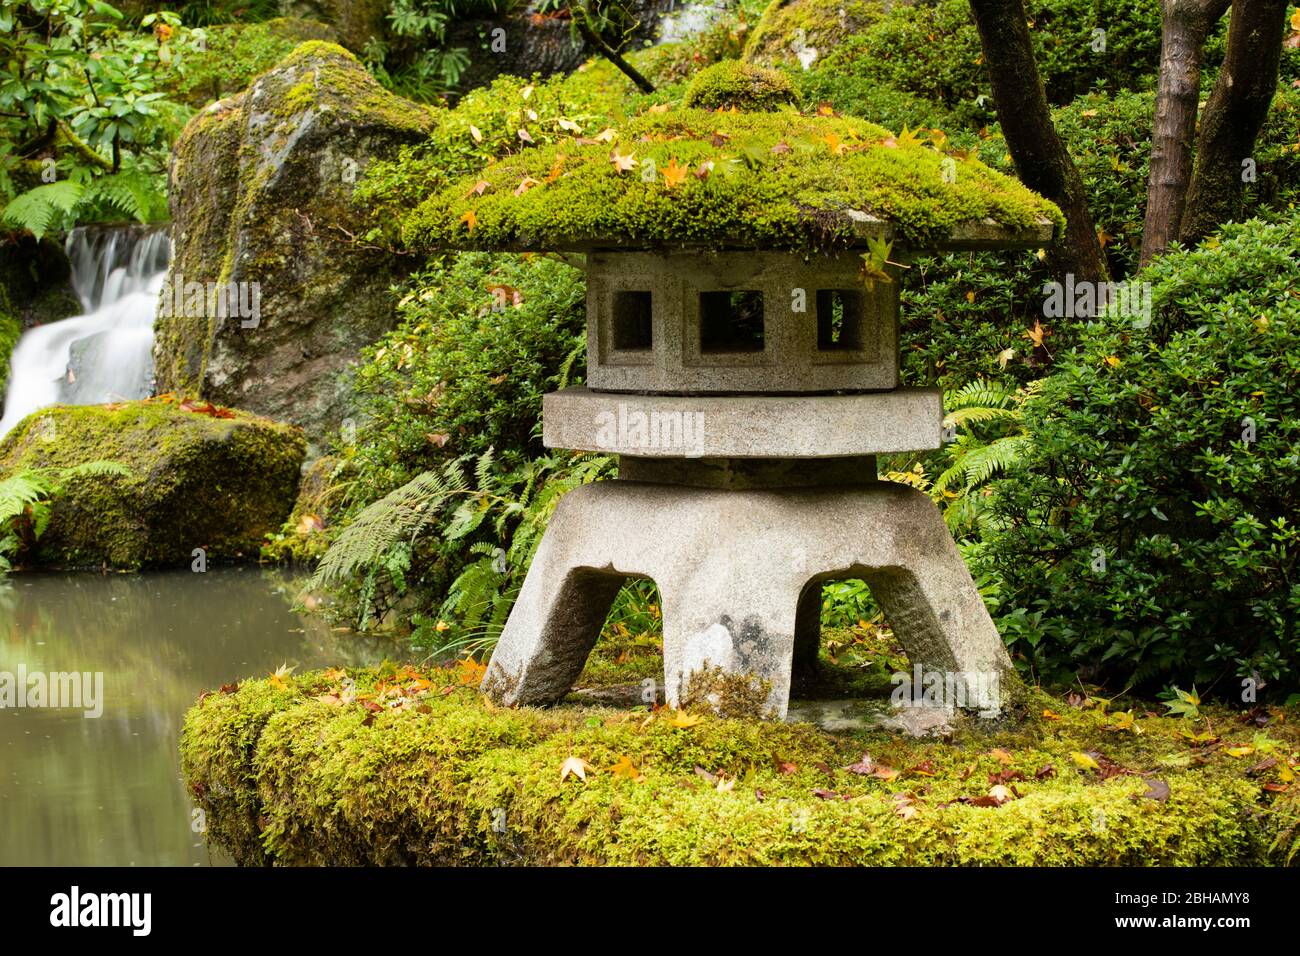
pixel 480 339
pixel 229 56
pixel 932 51
pixel 85 125
pixel 447 455
pixel 1148 533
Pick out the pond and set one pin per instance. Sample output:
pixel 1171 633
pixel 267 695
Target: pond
pixel 107 790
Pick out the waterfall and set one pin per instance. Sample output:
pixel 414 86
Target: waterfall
pixel 106 353
pixel 689 20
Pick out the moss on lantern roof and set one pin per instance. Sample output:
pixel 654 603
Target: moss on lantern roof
pixel 689 177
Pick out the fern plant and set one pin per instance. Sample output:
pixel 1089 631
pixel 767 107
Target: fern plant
pixel 989 438
pixel 25 500
pixel 130 193
pixel 478 602
pixel 468 497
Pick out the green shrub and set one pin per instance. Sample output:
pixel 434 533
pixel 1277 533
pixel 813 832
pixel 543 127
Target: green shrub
pixel 932 51
pixel 1148 534
pixel 869 99
pixel 232 54
pixel 450 404
pixel 735 85
pixel 480 338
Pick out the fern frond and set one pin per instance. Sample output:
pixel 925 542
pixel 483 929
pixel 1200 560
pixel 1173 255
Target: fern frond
pixel 397 518
pixel 42 208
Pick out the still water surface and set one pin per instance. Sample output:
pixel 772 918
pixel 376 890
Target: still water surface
pixel 108 791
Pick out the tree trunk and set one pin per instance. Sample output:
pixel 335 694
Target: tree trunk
pixel 1184 26
pixel 1234 114
pixel 1040 157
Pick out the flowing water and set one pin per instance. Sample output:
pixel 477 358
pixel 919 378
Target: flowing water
pixel 104 354
pixel 107 790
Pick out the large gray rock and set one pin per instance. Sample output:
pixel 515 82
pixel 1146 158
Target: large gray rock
pixel 261 187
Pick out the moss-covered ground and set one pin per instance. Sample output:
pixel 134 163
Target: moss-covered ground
pixel 398 765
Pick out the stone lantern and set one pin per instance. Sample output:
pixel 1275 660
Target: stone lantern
pixel 746 375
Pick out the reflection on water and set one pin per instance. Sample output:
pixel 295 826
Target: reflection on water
pixel 107 791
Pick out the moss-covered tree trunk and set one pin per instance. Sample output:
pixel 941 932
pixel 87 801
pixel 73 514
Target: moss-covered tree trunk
pixel 1234 114
pixel 1184 27
pixel 1041 159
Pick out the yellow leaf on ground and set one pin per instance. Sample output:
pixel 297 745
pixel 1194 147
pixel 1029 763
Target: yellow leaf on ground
pixel 674 175
pixel 471 671
pixel 278 678
pixel 682 719
pixel 625 768
pixel 622 163
pixel 470 220
pixel 577 767
pixel 1084 761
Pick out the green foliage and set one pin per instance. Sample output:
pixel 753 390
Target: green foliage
pixel 731 84
pixel 989 439
pixel 480 598
pixel 25 499
pixel 131 193
pixel 82 97
pixel 224 59
pixel 479 340
pixel 932 51
pixel 414 59
pixel 1148 532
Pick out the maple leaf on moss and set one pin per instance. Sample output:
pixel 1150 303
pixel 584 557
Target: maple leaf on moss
pixel 674 175
pixel 625 768
pixel 575 767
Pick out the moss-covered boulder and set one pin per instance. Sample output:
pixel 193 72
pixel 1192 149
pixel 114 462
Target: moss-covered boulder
pixel 396 766
pixel 261 187
pixel 739 86
pixel 200 476
pixel 355 22
pixel 799 32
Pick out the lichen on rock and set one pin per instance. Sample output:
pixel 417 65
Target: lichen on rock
pixel 261 187
pixel 220 482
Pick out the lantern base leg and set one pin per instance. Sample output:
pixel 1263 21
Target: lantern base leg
pixel 739 574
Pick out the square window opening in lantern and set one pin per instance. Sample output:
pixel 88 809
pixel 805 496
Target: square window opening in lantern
pixel 633 326
pixel 840 320
pixel 731 321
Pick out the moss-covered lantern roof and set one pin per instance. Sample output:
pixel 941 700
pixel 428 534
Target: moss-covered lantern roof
pixel 681 177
